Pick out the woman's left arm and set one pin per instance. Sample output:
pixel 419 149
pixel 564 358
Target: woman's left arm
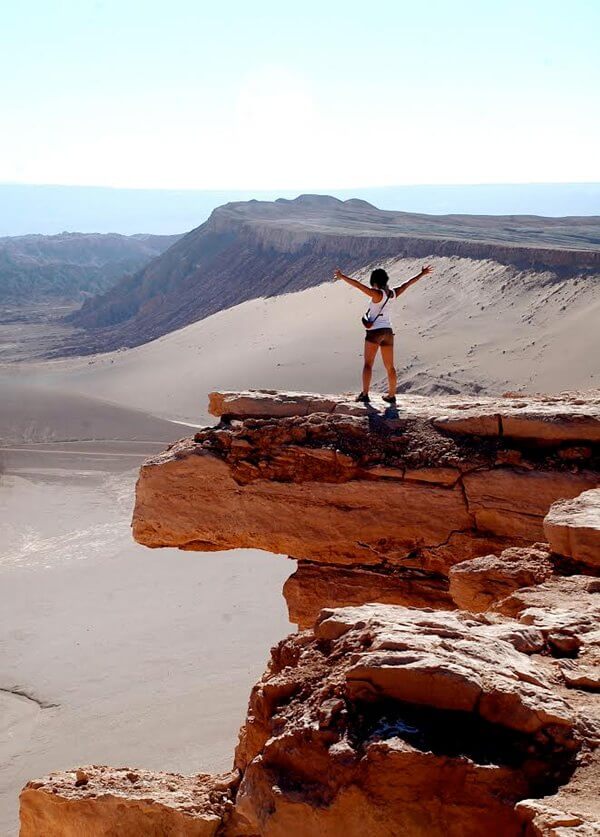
pixel 425 270
pixel 372 292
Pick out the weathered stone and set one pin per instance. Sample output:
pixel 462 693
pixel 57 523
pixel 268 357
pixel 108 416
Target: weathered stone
pixel 111 804
pixel 572 527
pixel 513 503
pixel 449 661
pixel 462 546
pixel 314 587
pixel 397 716
pixel 378 723
pixel 574 811
pixel 441 476
pixel 188 498
pixel 566 611
pixel 569 417
pixel 476 584
pixel 344 489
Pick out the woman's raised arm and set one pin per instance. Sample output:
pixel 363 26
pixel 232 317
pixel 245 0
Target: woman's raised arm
pixel 425 271
pixel 374 293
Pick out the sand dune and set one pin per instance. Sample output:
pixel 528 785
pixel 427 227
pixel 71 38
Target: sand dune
pixel 472 325
pixel 35 410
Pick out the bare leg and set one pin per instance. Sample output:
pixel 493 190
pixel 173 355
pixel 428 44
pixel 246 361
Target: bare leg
pixel 387 356
pixel 370 352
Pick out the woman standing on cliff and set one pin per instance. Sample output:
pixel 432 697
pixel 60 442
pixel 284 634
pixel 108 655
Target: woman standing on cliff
pixel 378 326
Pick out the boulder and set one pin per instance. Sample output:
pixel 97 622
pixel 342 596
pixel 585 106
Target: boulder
pixel 572 528
pixel 477 584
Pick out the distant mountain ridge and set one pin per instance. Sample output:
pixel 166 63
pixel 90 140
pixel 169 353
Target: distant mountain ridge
pixel 71 266
pixel 27 208
pixel 258 249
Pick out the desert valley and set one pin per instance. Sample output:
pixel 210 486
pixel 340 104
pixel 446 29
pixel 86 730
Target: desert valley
pixel 114 654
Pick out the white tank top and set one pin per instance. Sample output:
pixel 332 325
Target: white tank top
pixel 381 311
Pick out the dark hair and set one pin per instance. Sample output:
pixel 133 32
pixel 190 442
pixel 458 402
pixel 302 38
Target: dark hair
pixel 379 278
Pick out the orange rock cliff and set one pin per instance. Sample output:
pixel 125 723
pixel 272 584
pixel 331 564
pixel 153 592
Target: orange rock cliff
pixel 445 677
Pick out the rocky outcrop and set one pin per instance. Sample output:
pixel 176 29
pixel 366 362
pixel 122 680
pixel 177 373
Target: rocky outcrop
pixel 315 586
pixel 555 419
pixel 572 528
pixel 105 802
pixel 447 678
pixel 477 584
pixel 260 249
pixel 399 496
pixel 388 720
pixel 383 720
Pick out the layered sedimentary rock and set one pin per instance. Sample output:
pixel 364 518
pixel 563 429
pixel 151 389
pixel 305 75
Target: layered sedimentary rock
pixel 448 679
pixel 105 802
pixel 387 720
pixel 313 587
pixel 572 528
pixel 397 495
pixel 477 584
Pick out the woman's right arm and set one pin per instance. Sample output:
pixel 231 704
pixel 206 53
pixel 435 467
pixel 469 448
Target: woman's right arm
pixel 372 292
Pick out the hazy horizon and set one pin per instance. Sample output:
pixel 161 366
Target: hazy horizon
pixel 27 209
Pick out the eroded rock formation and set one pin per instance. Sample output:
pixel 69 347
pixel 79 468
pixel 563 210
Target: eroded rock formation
pixel 399 496
pixel 572 528
pixel 448 679
pixel 105 802
pixel 387 720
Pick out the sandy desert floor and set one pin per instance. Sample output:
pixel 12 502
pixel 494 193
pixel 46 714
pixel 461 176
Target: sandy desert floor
pixel 110 652
pixel 126 655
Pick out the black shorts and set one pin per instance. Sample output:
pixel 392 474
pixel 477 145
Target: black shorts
pixel 380 336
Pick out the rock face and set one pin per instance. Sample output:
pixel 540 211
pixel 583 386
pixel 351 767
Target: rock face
pixel 387 721
pixel 400 495
pixel 572 528
pixel 313 587
pixel 447 681
pixel 477 584
pixel 555 419
pixel 382 720
pixel 105 802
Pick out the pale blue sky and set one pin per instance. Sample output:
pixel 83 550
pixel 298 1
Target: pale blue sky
pixel 274 95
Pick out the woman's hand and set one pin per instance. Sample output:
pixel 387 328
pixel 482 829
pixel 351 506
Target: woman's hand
pixel 337 274
pixel 427 268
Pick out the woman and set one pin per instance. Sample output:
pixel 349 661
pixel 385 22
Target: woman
pixel 379 334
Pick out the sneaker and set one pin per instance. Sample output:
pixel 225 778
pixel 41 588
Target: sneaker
pixel 363 398
pixel 389 399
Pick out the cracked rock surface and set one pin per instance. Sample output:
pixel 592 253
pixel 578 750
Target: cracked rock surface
pixel 401 721
pixel 419 489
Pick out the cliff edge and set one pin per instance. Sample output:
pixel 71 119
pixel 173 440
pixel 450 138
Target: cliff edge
pixel 446 677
